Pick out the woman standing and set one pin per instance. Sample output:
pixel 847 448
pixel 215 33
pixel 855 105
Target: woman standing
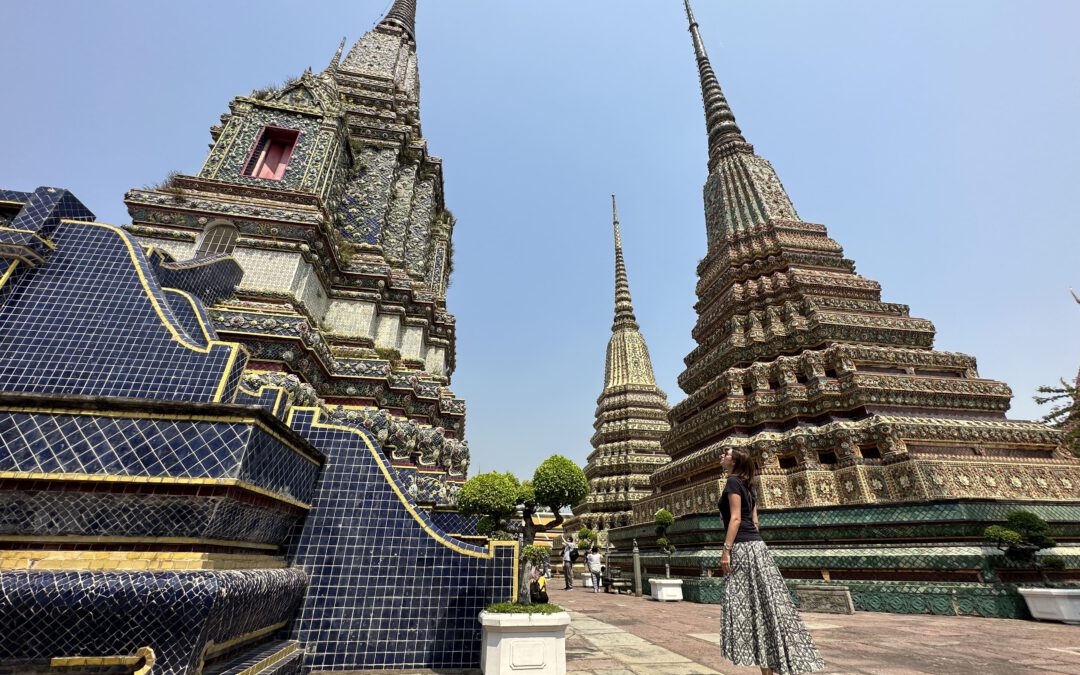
pixel 595 564
pixel 760 625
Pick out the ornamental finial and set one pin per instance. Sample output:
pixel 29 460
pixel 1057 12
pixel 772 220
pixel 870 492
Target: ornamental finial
pixel 624 308
pixel 402 15
pixel 334 62
pixel 719 120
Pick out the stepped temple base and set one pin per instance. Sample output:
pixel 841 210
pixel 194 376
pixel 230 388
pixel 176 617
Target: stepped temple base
pixel 901 558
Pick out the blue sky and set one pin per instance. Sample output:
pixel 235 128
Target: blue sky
pixel 936 141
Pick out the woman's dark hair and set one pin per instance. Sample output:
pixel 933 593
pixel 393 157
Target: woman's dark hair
pixel 743 466
pixel 595 549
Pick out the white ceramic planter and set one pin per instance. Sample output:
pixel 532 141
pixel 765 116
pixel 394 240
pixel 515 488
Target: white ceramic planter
pixel 1053 604
pixel 666 590
pixel 524 643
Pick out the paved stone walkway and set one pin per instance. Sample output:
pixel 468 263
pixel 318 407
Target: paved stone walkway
pixel 623 635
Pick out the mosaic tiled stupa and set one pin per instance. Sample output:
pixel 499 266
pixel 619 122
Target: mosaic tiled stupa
pixel 883 458
pixel 220 425
pixel 631 416
pixel 323 190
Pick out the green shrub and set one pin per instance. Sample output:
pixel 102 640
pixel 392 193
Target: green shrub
pixel 559 482
pixel 537 556
pixel 515 608
pixel 1021 538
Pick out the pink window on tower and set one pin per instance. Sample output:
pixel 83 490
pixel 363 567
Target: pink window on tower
pixel 271 155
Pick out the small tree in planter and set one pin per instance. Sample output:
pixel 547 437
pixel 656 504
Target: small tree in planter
pixel 1023 536
pixel 664 520
pixel 496 498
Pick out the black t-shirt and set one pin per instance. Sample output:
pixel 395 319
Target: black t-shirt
pixel 747 531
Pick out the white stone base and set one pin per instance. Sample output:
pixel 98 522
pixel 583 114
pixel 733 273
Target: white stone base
pixel 1053 604
pixel 586 580
pixel 666 590
pixel 531 643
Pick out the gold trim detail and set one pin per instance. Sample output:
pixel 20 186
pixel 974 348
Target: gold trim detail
pixel 233 347
pixel 276 657
pixel 194 309
pixel 35 235
pixel 33 559
pixel 8 272
pixel 213 649
pixel 131 541
pixel 144 654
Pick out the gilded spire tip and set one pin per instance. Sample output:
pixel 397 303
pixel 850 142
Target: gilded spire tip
pixel 719 119
pixel 624 307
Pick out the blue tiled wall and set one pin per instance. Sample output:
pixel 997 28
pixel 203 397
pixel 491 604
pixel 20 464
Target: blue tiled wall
pixel 61 443
pixel 51 613
pixel 388 589
pixel 86 322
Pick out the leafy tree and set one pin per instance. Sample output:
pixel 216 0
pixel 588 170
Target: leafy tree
pixel 493 496
pixel 1024 535
pixel 587 538
pixel 496 498
pixel 1064 412
pixel 664 520
pixel 557 483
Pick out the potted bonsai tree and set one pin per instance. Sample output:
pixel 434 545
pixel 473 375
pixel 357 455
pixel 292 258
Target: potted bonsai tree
pixel 666 589
pixel 1020 539
pixel 524 635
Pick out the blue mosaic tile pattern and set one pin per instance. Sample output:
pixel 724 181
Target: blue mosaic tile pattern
pixel 191 315
pixel 44 614
pixel 15 196
pixel 92 320
pixel 210 278
pixel 271 399
pixel 224 517
pixel 46 207
pixel 455 523
pixel 389 589
pixel 55 443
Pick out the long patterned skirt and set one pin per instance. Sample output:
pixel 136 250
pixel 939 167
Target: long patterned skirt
pixel 760 625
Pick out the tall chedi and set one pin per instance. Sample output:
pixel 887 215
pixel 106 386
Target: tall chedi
pixel 324 191
pixel 865 432
pixel 631 416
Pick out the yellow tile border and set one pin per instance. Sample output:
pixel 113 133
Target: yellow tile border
pixel 8 272
pixel 152 480
pixel 145 654
pixel 130 541
pixel 32 233
pixel 492 545
pixel 52 559
pixel 233 347
pixel 194 309
pixel 287 650
pixel 213 649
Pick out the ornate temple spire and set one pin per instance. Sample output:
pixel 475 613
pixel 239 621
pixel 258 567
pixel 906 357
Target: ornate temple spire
pixel 336 61
pixel 402 15
pixel 624 308
pixel 723 132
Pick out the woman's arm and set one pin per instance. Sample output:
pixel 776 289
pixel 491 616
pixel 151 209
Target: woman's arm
pixel 756 527
pixel 735 504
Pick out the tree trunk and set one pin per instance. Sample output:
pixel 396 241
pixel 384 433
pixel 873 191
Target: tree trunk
pixel 525 582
